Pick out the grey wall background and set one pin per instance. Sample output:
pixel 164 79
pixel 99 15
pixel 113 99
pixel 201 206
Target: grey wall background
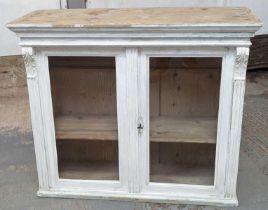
pixel 12 9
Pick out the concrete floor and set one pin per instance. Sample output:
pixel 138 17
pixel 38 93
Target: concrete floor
pixel 18 176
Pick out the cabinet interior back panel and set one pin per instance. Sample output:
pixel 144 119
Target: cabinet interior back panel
pixel 83 85
pixel 184 90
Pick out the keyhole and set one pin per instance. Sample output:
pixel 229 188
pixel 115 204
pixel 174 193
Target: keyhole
pixel 140 126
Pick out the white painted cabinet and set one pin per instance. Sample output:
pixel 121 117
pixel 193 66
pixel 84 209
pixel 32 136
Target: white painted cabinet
pixel 128 104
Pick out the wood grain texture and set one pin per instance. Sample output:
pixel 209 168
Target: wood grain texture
pixel 187 92
pixel 184 87
pixel 86 86
pixel 137 17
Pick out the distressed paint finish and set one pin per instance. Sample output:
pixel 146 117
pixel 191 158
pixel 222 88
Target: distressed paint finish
pixel 31 65
pixel 166 36
pixel 133 116
pixel 240 67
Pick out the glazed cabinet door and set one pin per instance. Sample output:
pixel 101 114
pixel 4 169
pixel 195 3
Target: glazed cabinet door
pixel 85 119
pixel 185 98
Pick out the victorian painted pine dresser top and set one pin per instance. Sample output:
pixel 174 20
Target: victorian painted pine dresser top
pixel 137 104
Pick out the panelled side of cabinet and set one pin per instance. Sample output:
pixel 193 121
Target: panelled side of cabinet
pixel 33 63
pixel 239 80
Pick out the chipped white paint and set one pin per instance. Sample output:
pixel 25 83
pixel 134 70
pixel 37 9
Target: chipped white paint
pixel 37 118
pixel 132 47
pixel 241 60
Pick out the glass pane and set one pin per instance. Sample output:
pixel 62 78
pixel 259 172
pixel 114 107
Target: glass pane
pixel 84 104
pixel 184 100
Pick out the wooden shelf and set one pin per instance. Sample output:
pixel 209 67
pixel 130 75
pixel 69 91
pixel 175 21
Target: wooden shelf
pixel 190 130
pixel 163 173
pixel 177 174
pixel 94 170
pixel 163 129
pixel 86 127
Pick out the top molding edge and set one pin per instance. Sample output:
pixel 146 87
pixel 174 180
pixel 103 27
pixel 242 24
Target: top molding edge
pixel 213 19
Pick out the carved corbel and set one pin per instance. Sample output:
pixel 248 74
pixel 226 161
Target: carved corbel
pixel 30 63
pixel 241 62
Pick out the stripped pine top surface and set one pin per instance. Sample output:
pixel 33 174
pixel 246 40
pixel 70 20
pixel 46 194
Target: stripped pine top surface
pixel 145 17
